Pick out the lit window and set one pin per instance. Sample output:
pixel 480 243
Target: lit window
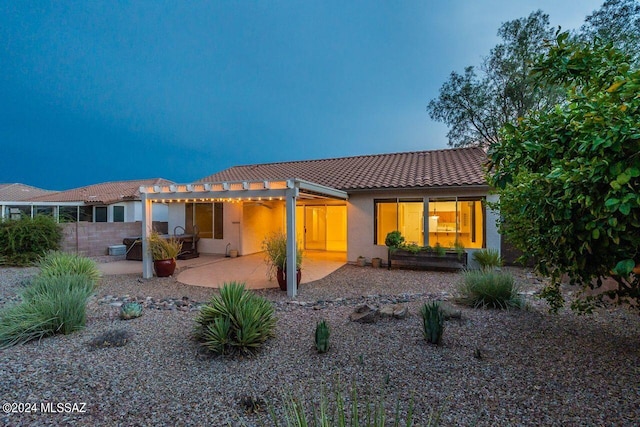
pixel 456 220
pixel 404 215
pixel 208 218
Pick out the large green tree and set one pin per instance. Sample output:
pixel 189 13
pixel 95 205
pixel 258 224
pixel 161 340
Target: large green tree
pixel 568 177
pixel 476 105
pixel 618 22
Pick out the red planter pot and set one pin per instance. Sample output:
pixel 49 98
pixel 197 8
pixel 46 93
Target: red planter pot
pixel 281 275
pixel 165 267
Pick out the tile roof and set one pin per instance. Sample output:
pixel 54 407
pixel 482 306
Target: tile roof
pixel 17 192
pixel 438 168
pixel 104 193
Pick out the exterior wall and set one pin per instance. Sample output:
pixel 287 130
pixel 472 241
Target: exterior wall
pixel 360 219
pixel 94 238
pixel 258 220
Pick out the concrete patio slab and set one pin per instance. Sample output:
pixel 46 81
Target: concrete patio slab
pixel 214 270
pixel 252 270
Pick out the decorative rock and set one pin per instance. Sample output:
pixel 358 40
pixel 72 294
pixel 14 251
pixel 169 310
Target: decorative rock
pixel 400 311
pixel 364 313
pixel 449 312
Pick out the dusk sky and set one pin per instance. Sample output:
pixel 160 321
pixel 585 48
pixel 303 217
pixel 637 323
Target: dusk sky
pixel 95 91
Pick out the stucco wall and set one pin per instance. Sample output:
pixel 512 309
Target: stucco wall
pixel 258 220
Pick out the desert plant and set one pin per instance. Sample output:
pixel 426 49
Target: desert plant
pixel 27 239
pixel 130 310
pixel 339 411
pixel 50 305
pixel 235 321
pixel 274 246
pixel 49 287
pixel 322 337
pixel 56 264
pixel 488 289
pixel 394 239
pixel 488 259
pixel 439 249
pixel 432 322
pixel 161 248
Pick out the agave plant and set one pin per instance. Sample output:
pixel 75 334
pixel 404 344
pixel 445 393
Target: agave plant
pixel 432 322
pixel 235 321
pixel 322 337
pixel 130 310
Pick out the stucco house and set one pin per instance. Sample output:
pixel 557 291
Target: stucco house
pixel 342 204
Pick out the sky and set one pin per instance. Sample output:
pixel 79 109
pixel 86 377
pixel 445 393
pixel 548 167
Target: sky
pixel 97 91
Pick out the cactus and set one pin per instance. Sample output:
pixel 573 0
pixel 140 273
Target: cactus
pixel 432 322
pixel 130 310
pixel 322 337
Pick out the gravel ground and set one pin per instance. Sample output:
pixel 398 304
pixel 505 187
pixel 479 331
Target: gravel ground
pixel 518 367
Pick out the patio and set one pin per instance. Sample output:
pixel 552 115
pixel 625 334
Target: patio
pixel 214 270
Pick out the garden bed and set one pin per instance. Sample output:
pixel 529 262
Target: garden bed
pixel 427 260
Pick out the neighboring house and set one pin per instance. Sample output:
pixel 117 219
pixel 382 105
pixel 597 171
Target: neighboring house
pixel 343 204
pixel 117 201
pixel 93 218
pixel 14 199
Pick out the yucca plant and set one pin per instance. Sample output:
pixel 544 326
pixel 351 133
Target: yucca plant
pixel 322 337
pixel 235 321
pixel 432 322
pixel 488 289
pixel 56 264
pixel 488 259
pixel 130 310
pixel 49 306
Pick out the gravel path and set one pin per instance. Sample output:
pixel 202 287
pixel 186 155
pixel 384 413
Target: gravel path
pixel 515 367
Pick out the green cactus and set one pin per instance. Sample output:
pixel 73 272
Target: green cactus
pixel 432 322
pixel 322 337
pixel 130 310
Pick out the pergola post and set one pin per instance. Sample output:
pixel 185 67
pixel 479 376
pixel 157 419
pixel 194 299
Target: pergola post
pixel 292 285
pixel 147 225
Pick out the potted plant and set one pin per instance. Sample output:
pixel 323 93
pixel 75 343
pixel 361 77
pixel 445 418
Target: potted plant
pixel 164 252
pixel 274 246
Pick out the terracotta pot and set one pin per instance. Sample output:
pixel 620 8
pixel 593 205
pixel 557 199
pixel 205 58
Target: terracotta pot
pixel 281 275
pixel 376 262
pixel 164 267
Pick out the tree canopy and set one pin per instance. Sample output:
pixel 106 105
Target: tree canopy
pixel 475 107
pixel 475 104
pixel 568 177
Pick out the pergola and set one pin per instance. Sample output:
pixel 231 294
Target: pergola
pixel 289 190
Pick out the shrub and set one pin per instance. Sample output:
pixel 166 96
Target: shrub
pixel 50 305
pixel 235 321
pixel 61 264
pixel 27 239
pixel 488 259
pixel 394 239
pixel 489 289
pixel 432 322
